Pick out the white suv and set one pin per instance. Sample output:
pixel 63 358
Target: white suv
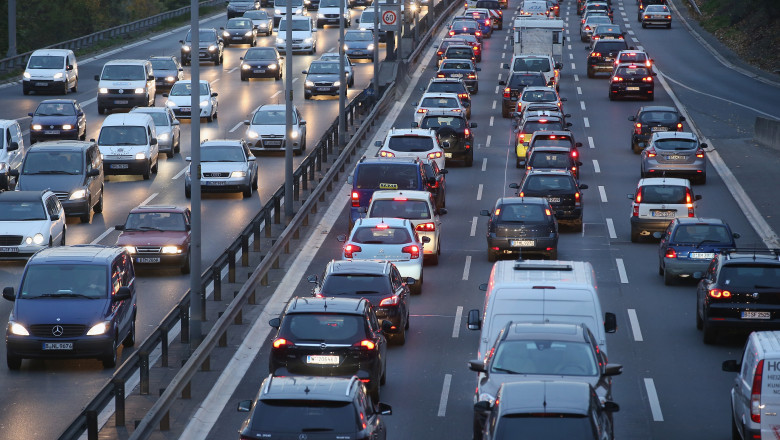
pixel 421 143
pixel 657 201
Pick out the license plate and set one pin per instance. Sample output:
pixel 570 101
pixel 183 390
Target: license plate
pixel 119 166
pixel 756 315
pixel 322 359
pixel 675 157
pixel 448 155
pixel 273 143
pixel 323 89
pixel 184 109
pixel 51 132
pixel 659 129
pixel 632 89
pixel 702 255
pixel 457 75
pixel 214 183
pixel 608 59
pixel 521 243
pixel 58 346
pixel 41 84
pixel 554 199
pixel 357 52
pixel 147 260
pixel 8 250
pixel 236 38
pixel 120 101
pixel 664 214
pixel 259 71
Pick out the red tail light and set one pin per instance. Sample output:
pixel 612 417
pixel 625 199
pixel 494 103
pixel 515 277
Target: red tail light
pixel 647 79
pixel 577 197
pixel 355 199
pixel 422 110
pixel 719 293
pixel 647 16
pixel 689 202
pixel 755 393
pixel 700 153
pixel 638 128
pixel 463 95
pixel 638 197
pixel 651 152
pixel 487 22
pixel 281 342
pixel 439 53
pixel 575 153
pixel 472 75
pixel 440 75
pixel 635 210
pixel 478 33
pixel 668 17
pixel 587 27
pixel 434 155
pixel 351 249
pixel 452 33
pixel 595 54
pixel 506 92
pixel 412 250
pixel 365 343
pixel 521 194
pixel 679 126
pixel 616 79
pixel 574 170
pixel 386 154
pixel 637 201
pixel 519 107
pixel 426 227
pixel 670 253
pixel 390 301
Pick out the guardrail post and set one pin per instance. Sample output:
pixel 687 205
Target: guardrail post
pixel 231 265
pixel 216 276
pixel 305 178
pixel 296 190
pixel 184 316
pixel 92 424
pixel 165 422
pixel 277 210
pixel 268 223
pixel 143 370
pixel 119 400
pixel 164 346
pixel 256 230
pixel 245 250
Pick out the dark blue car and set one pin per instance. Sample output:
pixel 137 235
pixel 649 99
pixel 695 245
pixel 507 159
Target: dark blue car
pixel 464 70
pixel 58 119
pixel 689 244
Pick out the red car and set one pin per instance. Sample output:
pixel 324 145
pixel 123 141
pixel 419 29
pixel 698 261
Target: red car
pixel 157 235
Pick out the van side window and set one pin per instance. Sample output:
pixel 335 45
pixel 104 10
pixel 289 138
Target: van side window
pixel 51 205
pixel 748 364
pixel 116 276
pixel 8 137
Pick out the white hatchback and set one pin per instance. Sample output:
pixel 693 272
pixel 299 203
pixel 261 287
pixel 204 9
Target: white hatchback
pixel 421 143
pixel 437 101
pixel 30 221
pixel 656 201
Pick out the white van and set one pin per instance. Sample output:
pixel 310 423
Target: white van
pixel 541 291
pixel 304 35
pixel 755 396
pixel 51 70
pixel 534 7
pixel 125 84
pixel 12 150
pixel 128 144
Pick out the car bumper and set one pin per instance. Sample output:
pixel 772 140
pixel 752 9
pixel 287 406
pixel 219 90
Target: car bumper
pixel 295 47
pixel 163 84
pixel 640 90
pixel 31 347
pixel 656 21
pixel 685 267
pixel 512 245
pixel 118 166
pixel 223 185
pixel 159 259
pixel 646 226
pixel 392 314
pixel 360 53
pixel 567 213
pixel 184 114
pixel 324 90
pixel 47 135
pixel 76 207
pixel 363 372
pixel 20 252
pixel 696 168
pixel 726 316
pixel 601 66
pixel 260 72
pixel 108 100
pixel 47 85
pixel 239 40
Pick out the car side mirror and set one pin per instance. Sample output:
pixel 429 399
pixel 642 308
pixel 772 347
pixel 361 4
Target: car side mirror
pixel 181 69
pixel 12 146
pixel 181 41
pixel 568 124
pixel 504 65
pixel 502 83
pixel 122 294
pixel 482 406
pixel 610 406
pixel 274 322
pixel 426 239
pixel 312 279
pixel 251 158
pixel 8 293
pixel 610 322
pixel 474 322
pixel 384 409
pixel 484 212
pixel 613 369
pixel 735 235
pixel 363 210
pixel 442 211
pixel 578 145
pixel 153 141
pixel 176 122
pixel 119 227
pixel 697 274
pixel 431 181
pixel 14 173
pixel 244 406
pixel 415 125
pixel 477 365
pixel 305 72
pixel 222 29
pixel 583 186
pixel 658 235
pixel 632 118
pixel 703 145
pixel 729 366
pixel 349 180
pixel 150 78
pixel 69 67
pixel 94 172
pixel 473 125
pixel 682 118
pixel 97 77
pixel 302 123
pixel 341 238
pixel 165 95
pixel 514 186
pixel 444 171
pixel 410 281
pixel 559 66
pixel 388 327
pixel 478 69
pixel 30 114
pixel 214 94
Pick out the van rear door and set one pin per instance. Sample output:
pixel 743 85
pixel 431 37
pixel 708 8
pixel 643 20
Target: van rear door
pixel 770 398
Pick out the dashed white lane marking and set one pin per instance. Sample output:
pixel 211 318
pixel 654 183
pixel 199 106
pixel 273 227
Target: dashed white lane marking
pixel 484 163
pixel 611 228
pixel 88 102
pixel 180 173
pixel 487 142
pixel 582 105
pixel 295 79
pixel 232 70
pixel 494 104
pixel 499 76
pixel 458 318
pixel 621 271
pixel 652 397
pixel 236 127
pixel 506 38
pixel 491 120
pixel 504 46
pixel 634 40
pixel 445 393
pixel 576 78
pixel 479 192
pixel 278 92
pixel 590 142
pixel 568 46
pixel 603 194
pixel 571 56
pixel 473 226
pixel 634 321
pixel 503 55
pixel 622 12
pixel 466 268
pixel 586 122
pixel 596 167
pixel 149 199
pixel 630 32
pixel 573 66
pixel 496 92
pixel 628 25
pixel 215 80
pixel 640 47
pixel 579 90
pixel 102 236
pixel 621 8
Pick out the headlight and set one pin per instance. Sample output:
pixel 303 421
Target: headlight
pixel 272 66
pixel 58 75
pixel 185 48
pixel 170 79
pixel 140 156
pixel 248 34
pixel 163 136
pixel 38 238
pixel 170 104
pixel 99 329
pixel 370 46
pixel 278 11
pixel 204 103
pixel 212 48
pixel 26 75
pixel 252 134
pixel 226 34
pixel 103 90
pixel 346 47
pixel 279 40
pixel 130 249
pixel 36 126
pixel 245 67
pixel 298 11
pixel 171 250
pixel 236 174
pixel 17 329
pixel 337 83
pixel 488 397
pixel 294 134
pixel 67 127
pixel 140 91
pixel 308 40
pixel 78 194
pixel 309 83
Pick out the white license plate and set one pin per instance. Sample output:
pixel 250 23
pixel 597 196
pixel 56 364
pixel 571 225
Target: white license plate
pixel 119 166
pixel 322 359
pixel 41 84
pixel 184 109
pixel 756 315
pixel 457 75
pixel 274 143
pixel 147 260
pixel 554 199
pixel 702 255
pixel 215 183
pixel 58 346
pixel 357 52
pixel 51 132
pixel 664 214
pixel 120 101
pixel 236 38
pixel 675 157
pixel 659 129
pixel 323 89
pixel 8 250
pixel 632 89
pixel 448 155
pixel 259 71
pixel 521 243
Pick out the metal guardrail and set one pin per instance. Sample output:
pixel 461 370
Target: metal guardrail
pixel 20 61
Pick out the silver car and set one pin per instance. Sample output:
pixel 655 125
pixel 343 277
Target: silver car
pixel 265 131
pixel 167 126
pixel 590 23
pixel 675 153
pixel 226 165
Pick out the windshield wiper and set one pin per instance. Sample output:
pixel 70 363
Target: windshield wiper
pixel 52 172
pixel 126 143
pixel 150 228
pixel 65 295
pixel 28 218
pixel 506 370
pixel 707 241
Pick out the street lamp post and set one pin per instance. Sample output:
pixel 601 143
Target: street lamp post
pixel 196 294
pixel 288 120
pixel 342 79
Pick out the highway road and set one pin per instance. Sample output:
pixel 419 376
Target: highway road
pixel 672 386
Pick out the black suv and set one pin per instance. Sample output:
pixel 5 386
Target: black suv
pixel 650 119
pixel 632 80
pixel 560 188
pixel 331 337
pixel 210 47
pixel 299 407
pixel 454 129
pixel 601 57
pixel 741 289
pixel 514 87
pixel 377 281
pixel 521 226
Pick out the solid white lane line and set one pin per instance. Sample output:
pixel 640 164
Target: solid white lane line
pixel 652 397
pixel 590 142
pixel 149 199
pixel 582 105
pixel 479 192
pixel 586 122
pixel 236 127
pixel 484 163
pixel 180 173
pixel 473 226
pixel 487 142
pixel 603 194
pixel 494 104
pixel 596 166
pixel 579 90
pixel 215 80
pixel 466 268
pixel 445 393
pixel 576 77
pixel 458 318
pixel 491 120
pixel 276 94
pixel 621 271
pixel 102 236
pixel 611 228
pixel 632 318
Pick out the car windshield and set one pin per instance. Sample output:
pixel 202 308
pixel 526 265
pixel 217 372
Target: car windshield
pixel 256 15
pixel 432 102
pixel 520 81
pixel 118 72
pixel 532 126
pixel 387 176
pixel 55 109
pixel 702 233
pixel 531 65
pixel 269 117
pixel 163 64
pixel 297 25
pixel 635 71
pixel 328 68
pixel 122 135
pixel 331 327
pixel 206 36
pixel 541 159
pixel 667 194
pixel 261 53
pixel 222 153
pixel 442 121
pixel 411 144
pixel 355 284
pixel 540 96
pixel 408 209
pixel 749 276
pixel 515 212
pixel 283 3
pixel 358 36
pixel 162 221
pixel 63 280
pixel 549 426
pixel 549 183
pixel 543 357
pixel 367 17
pixel 632 57
pixel 46 62
pixel 456 65
pixel 52 162
pixel 332 4
pixel 380 235
pixel 676 144
pixel 160 119
pixel 239 23
pixel 607 29
pixel 185 89
pixel 659 116
pixel 273 415
pixel 21 211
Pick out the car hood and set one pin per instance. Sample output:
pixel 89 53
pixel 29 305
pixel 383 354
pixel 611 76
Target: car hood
pixel 282 35
pixel 151 238
pixel 260 62
pixel 165 72
pixel 222 167
pixel 44 73
pixel 325 77
pixel 184 101
pixel 237 31
pixel 26 228
pixel 268 129
pixel 62 310
pixel 359 44
pixel 53 120
pixel 55 182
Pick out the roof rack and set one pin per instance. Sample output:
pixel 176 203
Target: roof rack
pixel 755 251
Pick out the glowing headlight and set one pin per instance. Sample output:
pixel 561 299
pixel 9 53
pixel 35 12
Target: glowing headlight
pixel 18 329
pixel 370 46
pixel 140 90
pixel 309 83
pixel 298 11
pixel 185 48
pixel 279 41
pixel 346 47
pixel 170 79
pixel 308 41
pixel 163 136
pixel 204 103
pixel 278 11
pixel 58 75
pixel 488 397
pixel 337 83
pixel 103 90
pixel 130 249
pixel 226 34
pixel 294 134
pixel 78 194
pixel 26 75
pixel 212 48
pixel 171 250
pixel 236 174
pixel 248 34
pixel 170 104
pixel 67 127
pixel 36 127
pixel 245 67
pixel 272 66
pixel 99 329
pixel 38 238
pixel 252 134
pixel 139 156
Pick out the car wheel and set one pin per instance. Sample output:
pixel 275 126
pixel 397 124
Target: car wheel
pixel 434 259
pixel 636 148
pixel 248 191
pixel 399 338
pixel 492 255
pixel 351 82
pixel 98 208
pixel 416 289
pixel 210 118
pixel 374 394
pixel 306 95
pixel 577 225
pixel 470 159
pixel 25 91
pixel 227 44
pixel 244 78
pixel 660 269
pixel 187 192
pixel 110 360
pixel 177 148
pixel 75 87
pixel 185 268
pixel 14 363
pixel 634 236
pixel 148 173
pixel 553 254
pixel 651 97
pixel 129 340
pixel 710 335
pixel 65 88
pixel 644 26
pixel 734 430
pixel 591 73
pixel 669 279
pixel 62 237
pixel 169 154
pixel 254 184
pixel 101 110
pixel 611 96
pixel 702 179
pixel 279 76
pixel 85 218
pixel 156 165
pixel 518 164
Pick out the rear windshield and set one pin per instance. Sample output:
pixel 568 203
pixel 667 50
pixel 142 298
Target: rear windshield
pixel 521 213
pixel 456 65
pixel 71 281
pixel 435 122
pixel 466 52
pixel 256 15
pixel 21 211
pixel 550 160
pixel 549 183
pixel 658 116
pixel 531 65
pixel 440 103
pixel 185 89
pixel 549 426
pixel 487 4
pixel 387 176
pixel 552 141
pixel 539 96
pixel 355 284
pixel 532 126
pixel 631 57
pixel 633 71
pixel 412 144
pixel 467 24
pixel 330 327
pixel 373 235
pixel 752 276
pixel 446 87
pixel 610 46
pixel 702 233
pixel 160 119
pixel 122 135
pixel 409 209
pixel 277 416
pixel 676 144
pixel 664 194
pixel 518 81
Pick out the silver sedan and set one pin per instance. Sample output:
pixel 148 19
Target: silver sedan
pixel 675 153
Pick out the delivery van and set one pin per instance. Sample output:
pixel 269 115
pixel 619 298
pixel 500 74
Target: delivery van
pixel 541 291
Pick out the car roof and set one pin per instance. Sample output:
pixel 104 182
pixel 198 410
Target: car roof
pixel 358 266
pixel 127 61
pixel 309 304
pixel 61 145
pixel 271 107
pixel 521 201
pixel 58 101
pixel 149 110
pixel 674 135
pixel 325 388
pixel 391 160
pixel 165 57
pixel 550 149
pixel 538 89
pixel 545 330
pixel 439 95
pixel 390 221
pixel 407 194
pixel 221 142
pixel 533 396
pixel 158 208
pixel 115 119
pixel 22 196
pixel 412 131
pixel 657 108
pixel 549 172
pixel 700 220
pixel 449 113
pixel 675 181
pixel 562 133
pixel 79 253
pixel 188 81
pixel 44 52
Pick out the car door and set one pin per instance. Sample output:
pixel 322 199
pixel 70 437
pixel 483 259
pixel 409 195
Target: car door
pixel 175 128
pixel 73 73
pixel 56 227
pixel 14 134
pixel 400 289
pixel 743 382
pixel 154 150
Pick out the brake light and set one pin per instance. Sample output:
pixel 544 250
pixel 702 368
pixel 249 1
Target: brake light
pixel 755 393
pixel 670 253
pixel 382 226
pixel 351 249
pixel 595 37
pixel 472 75
pixel 281 342
pixel 547 212
pixel 638 128
pixel 521 194
pixel 687 196
pixel 412 250
pixel 478 33
pixel 463 95
pixel 440 75
pixel 616 79
pixel 638 197
pixel 719 293
pixel 648 63
pixel 365 343
pixel 467 133
pixel 452 33
pixel 651 152
pixel 434 155
pixel 689 202
pixel 386 154
pixel 574 153
pixel 487 22
pixel 587 28
pixel 519 107
pixel 700 153
pixel 595 54
pixel 355 199
pixel 679 126
pixel 521 137
pixel 476 48
pixel 390 301
pixel 506 92
pixel 573 169
pixel 439 53
pixel 647 79
pixel 577 197
pixel 426 227
pixel 668 17
pixel 647 16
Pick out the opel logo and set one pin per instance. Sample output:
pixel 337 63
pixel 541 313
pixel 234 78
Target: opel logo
pixel 121 91
pixel 57 330
pixel 755 295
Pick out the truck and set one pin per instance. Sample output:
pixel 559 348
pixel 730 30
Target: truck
pixel 540 35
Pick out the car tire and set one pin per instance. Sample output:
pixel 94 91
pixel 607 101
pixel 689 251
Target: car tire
pixel 98 208
pixel 669 26
pixel 85 218
pixel 244 78
pixel 518 164
pixel 25 91
pixel 156 165
pixel 14 363
pixel 254 184
pixel 169 154
pixel 416 289
pixel 577 225
pixel 148 173
pixel 669 279
pixel 702 179
pixel 187 192
pixel 611 96
pixel 399 338
pixel 210 118
pixel 101 110
pixel 185 268
pixel 660 269
pixel 351 82
pixel 75 87
pixel 709 334
pixel 434 259
pixel 177 148
pixel 644 26
pixel 734 429
pixel 279 76
pixel 636 148
pixel 553 254
pixel 306 95
pixel 62 238
pixel 110 360
pixel 226 44
pixel 651 98
pixel 129 340
pixel 634 236
pixel 65 88
pixel 504 113
pixel 492 256
pixel 470 159
pixel 374 394
pixel 247 193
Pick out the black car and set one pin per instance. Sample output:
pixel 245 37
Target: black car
pixel 521 225
pixel 239 30
pixel 552 158
pixel 331 337
pixel 601 57
pixel 235 8
pixel 650 119
pixel 377 281
pixel 454 129
pixel 262 62
pixel 739 290
pixel 459 52
pixel 514 86
pixel 560 188
pixel 167 70
pixel 322 78
pixel 465 70
pixel 58 119
pixel 299 407
pixel 463 26
pixel 210 47
pixel 435 182
pixel 632 80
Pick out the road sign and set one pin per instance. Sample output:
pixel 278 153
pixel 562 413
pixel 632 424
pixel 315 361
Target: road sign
pixel 389 18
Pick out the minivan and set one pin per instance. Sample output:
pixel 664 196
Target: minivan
pixel 12 151
pixel 304 35
pixel 125 84
pixel 51 70
pixel 535 291
pixel 128 143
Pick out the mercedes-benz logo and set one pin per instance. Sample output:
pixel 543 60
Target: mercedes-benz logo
pixel 323 346
pixel 51 126
pixel 302 436
pixel 57 330
pixel 755 295
pixel 121 91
